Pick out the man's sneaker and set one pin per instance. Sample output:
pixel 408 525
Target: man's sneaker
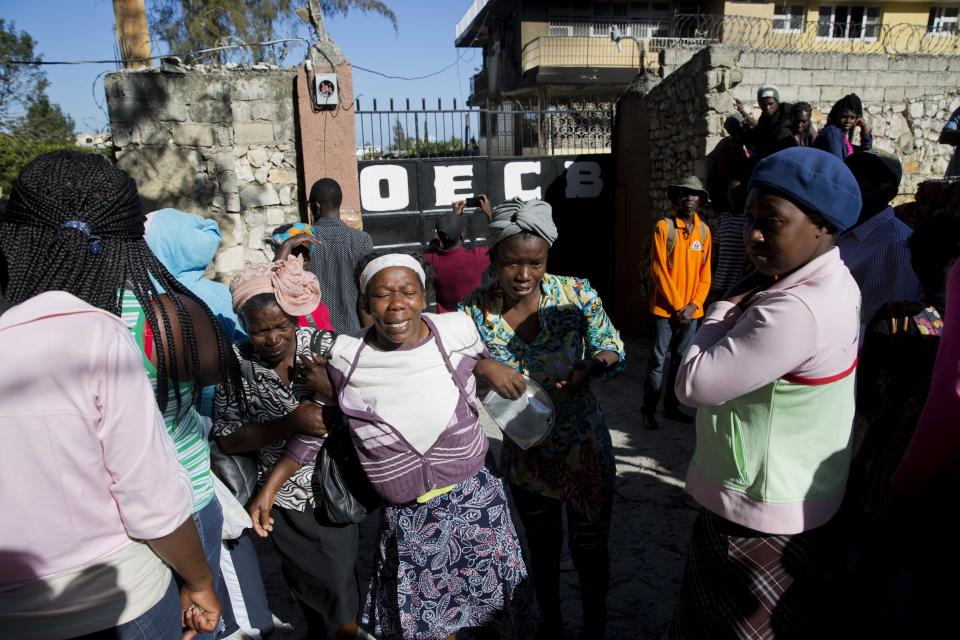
pixel 649 421
pixel 676 415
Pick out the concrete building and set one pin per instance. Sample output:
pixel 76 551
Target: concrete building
pixel 536 52
pixel 859 27
pixel 93 139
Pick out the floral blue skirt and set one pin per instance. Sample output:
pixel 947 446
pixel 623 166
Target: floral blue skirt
pixel 448 565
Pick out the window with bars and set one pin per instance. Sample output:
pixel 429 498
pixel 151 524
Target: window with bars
pixel 943 20
pixel 789 17
pixel 849 22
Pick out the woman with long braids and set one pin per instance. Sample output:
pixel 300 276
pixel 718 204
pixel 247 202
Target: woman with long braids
pixel 107 506
pixel 74 223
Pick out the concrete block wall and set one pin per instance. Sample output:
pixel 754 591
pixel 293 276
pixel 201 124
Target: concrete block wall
pixel 687 110
pixel 907 98
pixel 217 142
pixel 667 130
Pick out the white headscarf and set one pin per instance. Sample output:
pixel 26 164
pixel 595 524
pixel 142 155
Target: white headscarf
pixel 390 260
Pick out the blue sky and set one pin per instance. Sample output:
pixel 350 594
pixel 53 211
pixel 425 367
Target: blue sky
pixel 83 30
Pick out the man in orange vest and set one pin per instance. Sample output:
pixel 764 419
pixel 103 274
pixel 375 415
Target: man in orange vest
pixel 679 283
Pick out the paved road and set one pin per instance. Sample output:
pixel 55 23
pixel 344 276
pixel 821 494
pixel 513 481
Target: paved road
pixel 652 521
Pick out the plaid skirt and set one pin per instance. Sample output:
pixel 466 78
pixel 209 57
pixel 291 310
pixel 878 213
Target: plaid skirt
pixel 744 584
pixel 448 566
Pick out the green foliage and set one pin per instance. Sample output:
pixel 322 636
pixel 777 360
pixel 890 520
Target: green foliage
pixel 342 7
pixel 29 123
pixel 399 135
pixel 19 83
pixel 46 124
pixel 15 152
pixel 439 148
pixel 187 26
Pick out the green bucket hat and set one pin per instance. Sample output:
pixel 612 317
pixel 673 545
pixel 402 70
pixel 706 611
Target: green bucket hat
pixel 691 183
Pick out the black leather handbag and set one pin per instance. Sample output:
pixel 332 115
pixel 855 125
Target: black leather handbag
pixel 346 495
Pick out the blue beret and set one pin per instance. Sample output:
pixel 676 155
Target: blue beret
pixel 815 179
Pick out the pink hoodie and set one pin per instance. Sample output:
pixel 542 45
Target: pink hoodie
pixel 935 447
pixel 86 463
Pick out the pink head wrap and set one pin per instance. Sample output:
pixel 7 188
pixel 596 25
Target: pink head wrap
pixel 297 291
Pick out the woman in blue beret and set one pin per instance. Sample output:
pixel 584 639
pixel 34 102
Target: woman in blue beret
pixel 772 375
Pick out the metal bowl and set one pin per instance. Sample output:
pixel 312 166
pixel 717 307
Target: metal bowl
pixel 527 420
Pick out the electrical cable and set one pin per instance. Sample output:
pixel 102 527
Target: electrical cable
pixel 93 90
pixel 34 62
pixel 233 46
pixel 408 78
pixel 194 53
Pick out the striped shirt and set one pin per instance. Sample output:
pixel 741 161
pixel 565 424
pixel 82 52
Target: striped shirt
pixel 878 257
pixel 333 260
pixel 185 426
pixel 430 373
pixel 730 252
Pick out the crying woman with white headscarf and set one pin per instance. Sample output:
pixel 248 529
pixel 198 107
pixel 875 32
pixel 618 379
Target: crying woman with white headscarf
pixel 554 330
pixel 448 557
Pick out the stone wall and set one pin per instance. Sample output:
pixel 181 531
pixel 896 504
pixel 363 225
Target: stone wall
pixel 686 115
pixel 217 142
pixel 907 98
pixel 673 58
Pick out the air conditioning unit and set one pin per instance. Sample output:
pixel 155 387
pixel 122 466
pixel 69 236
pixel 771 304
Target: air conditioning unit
pixel 326 90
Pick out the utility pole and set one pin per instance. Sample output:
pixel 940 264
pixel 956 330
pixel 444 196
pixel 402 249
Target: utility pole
pixel 133 36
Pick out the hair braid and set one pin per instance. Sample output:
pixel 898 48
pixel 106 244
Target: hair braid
pixel 43 255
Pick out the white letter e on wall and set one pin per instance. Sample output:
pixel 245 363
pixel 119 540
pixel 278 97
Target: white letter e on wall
pixel 447 180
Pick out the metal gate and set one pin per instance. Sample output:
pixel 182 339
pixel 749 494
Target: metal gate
pixel 417 129
pixel 401 200
pixel 416 160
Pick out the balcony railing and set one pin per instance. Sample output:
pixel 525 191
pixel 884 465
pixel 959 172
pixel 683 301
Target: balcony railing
pixel 587 44
pixel 572 51
pixel 587 29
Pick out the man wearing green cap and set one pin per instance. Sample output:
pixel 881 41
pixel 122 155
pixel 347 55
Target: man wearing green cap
pixel 771 133
pixel 680 281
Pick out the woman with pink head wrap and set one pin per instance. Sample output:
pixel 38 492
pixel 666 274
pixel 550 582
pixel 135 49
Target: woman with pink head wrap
pixel 286 389
pixel 295 291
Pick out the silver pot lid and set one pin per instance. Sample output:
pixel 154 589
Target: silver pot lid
pixel 527 420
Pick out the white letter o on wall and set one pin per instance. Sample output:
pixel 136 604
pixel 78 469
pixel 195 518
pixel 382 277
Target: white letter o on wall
pixel 397 192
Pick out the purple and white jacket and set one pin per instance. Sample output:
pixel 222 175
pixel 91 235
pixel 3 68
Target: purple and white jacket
pixel 412 412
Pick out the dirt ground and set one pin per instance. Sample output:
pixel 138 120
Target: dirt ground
pixel 652 521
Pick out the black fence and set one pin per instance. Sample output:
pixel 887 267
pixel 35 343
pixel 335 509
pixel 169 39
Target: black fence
pixel 424 129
